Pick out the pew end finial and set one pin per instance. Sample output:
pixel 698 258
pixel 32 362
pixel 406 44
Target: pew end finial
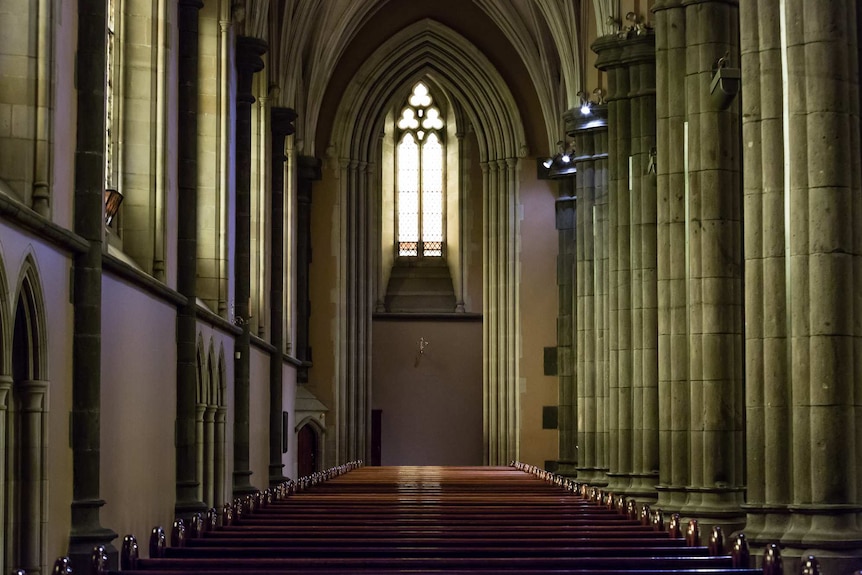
pixel 129 553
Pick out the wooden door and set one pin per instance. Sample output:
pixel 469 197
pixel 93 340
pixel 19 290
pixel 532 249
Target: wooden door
pixel 307 453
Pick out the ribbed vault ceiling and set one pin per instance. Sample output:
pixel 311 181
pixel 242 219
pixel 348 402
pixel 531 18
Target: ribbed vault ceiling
pixel 317 46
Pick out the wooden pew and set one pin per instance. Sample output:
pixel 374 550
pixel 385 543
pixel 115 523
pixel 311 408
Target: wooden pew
pixel 428 520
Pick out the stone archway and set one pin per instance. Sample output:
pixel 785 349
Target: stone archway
pixel 26 429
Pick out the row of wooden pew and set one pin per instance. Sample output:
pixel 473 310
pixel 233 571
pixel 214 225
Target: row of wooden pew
pixel 430 520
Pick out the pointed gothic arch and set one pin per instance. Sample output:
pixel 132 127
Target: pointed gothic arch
pixel 25 427
pixel 428 48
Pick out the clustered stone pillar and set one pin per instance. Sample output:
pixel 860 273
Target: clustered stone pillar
pixel 500 390
pixel 86 529
pixel 248 61
pixel 629 61
pixel 354 401
pixel 281 125
pixel 188 483
pixel 803 255
pixel 309 172
pixel 699 262
pixel 591 146
pixel 566 211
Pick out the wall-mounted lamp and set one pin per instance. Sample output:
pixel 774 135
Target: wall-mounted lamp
pixel 725 83
pixel 113 199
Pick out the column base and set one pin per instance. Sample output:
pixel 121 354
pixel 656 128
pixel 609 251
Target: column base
pixel 81 547
pixel 595 476
pixel 242 485
pixel 276 474
pixel 567 468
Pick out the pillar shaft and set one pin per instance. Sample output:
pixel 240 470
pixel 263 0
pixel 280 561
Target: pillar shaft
pixel 801 133
pixel 188 494
pixel 248 61
pixel 86 529
pixel 281 124
pixel 630 63
pixel 309 171
pixel 591 145
pixel 673 388
pixel 566 211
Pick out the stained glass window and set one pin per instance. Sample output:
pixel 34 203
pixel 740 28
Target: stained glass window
pixel 420 176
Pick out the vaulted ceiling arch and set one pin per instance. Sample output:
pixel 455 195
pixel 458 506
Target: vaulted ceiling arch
pixel 428 47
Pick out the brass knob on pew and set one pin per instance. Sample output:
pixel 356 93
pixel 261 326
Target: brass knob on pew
pixel 178 533
pixel 212 520
pixel 673 527
pixel 621 504
pixel 739 553
pixel 658 520
pixel 99 561
pixel 158 543
pixel 692 535
pixel 196 526
pixel 772 563
pixel 716 541
pixel 810 566
pixel 632 509
pixel 129 553
pixel 62 566
pixel 645 514
pixel 227 515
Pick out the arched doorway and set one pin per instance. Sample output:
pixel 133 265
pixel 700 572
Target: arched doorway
pixel 25 432
pixel 308 453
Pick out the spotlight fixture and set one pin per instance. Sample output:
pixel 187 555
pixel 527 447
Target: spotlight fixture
pixel 561 164
pixel 586 104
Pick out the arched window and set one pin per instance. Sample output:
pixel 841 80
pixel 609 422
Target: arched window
pixel 420 165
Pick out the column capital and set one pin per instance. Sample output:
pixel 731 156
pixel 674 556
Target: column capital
pixel 281 121
pixel 249 52
pixel 614 51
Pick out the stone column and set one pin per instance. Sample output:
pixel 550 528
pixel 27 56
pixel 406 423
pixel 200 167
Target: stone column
pixel 309 172
pixel 354 399
pixel 248 61
pixel 281 125
pixel 629 61
pixel 670 26
pixel 200 451
pixel 32 515
pixel 801 136
pixel 619 422
pixel 642 171
pixel 188 492
pixel 591 145
pixel 701 312
pixel 209 455
pixel 500 326
pixel 566 211
pixel 220 458
pixel 715 327
pixel 86 529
